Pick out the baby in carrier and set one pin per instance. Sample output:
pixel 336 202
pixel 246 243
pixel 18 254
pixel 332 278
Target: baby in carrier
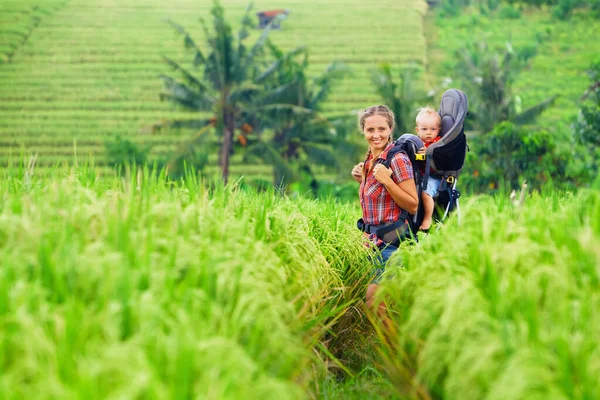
pixel 428 127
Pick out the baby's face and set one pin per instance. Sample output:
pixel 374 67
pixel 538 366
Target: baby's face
pixel 428 128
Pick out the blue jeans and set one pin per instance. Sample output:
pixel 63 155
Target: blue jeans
pixel 380 259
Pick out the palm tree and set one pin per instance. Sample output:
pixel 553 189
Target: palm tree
pixel 225 81
pixel 402 97
pixel 490 75
pixel 297 141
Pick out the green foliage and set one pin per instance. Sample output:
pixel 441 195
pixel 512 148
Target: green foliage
pixel 509 11
pixel 490 75
pixel 503 306
pixel 229 83
pixel 19 21
pixel 142 287
pixel 560 57
pixel 586 130
pixel 299 136
pixel 510 154
pixel 453 8
pixel 123 152
pixel 67 82
pixel 564 8
pixel 403 96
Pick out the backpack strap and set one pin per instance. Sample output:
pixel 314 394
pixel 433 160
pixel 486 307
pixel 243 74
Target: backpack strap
pixel 397 231
pixel 392 232
pixel 426 174
pixel 390 155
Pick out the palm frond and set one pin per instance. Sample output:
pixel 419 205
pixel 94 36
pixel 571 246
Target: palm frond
pixel 188 77
pixel 324 83
pixel 257 47
pixel 220 67
pixel 529 115
pixel 183 124
pixel 296 110
pixel 276 52
pixel 188 147
pixel 288 93
pixel 595 86
pixel 268 153
pixel 320 154
pixel 246 24
pixel 274 67
pixel 204 27
pixel 188 43
pixel 317 129
pixel 182 95
pixel 384 84
pixel 245 93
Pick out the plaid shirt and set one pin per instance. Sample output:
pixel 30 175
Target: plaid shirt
pixel 378 206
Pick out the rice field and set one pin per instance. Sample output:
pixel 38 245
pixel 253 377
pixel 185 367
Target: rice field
pixel 139 287
pixel 564 50
pixel 87 70
pixel 504 306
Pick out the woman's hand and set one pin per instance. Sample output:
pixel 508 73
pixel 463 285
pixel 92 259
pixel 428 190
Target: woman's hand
pixel 382 174
pixel 421 150
pixel 357 172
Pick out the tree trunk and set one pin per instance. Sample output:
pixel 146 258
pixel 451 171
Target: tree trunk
pixel 228 127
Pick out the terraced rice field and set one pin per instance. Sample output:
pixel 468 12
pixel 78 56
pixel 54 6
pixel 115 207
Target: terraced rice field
pixel 563 50
pixel 87 70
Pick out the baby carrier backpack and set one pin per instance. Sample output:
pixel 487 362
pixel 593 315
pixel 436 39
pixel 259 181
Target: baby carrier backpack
pixel 444 159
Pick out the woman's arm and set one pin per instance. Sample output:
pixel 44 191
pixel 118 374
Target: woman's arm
pixel 403 193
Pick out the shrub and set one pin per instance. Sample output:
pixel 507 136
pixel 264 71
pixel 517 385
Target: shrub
pixel 564 8
pixel 587 126
pixel 509 12
pixel 510 154
pixel 121 152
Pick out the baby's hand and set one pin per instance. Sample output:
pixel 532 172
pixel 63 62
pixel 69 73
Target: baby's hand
pixel 421 150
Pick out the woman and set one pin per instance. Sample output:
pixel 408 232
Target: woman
pixel 387 195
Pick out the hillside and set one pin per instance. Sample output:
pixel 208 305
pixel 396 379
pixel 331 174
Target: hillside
pixel 88 70
pixel 563 52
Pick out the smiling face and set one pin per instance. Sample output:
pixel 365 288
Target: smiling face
pixel 377 133
pixel 428 127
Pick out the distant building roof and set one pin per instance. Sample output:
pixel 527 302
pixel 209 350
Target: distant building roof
pixel 271 13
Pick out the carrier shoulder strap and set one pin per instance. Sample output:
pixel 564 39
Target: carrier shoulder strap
pixel 390 155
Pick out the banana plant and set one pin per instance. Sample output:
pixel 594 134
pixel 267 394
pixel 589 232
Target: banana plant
pixel 402 96
pixel 490 75
pixel 224 86
pixel 300 138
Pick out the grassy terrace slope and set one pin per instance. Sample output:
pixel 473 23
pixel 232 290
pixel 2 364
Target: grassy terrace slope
pixel 566 50
pixel 88 69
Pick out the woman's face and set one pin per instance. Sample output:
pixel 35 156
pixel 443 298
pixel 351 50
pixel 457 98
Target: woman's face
pixel 377 132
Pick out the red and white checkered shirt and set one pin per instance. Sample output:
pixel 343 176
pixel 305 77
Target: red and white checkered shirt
pixel 378 206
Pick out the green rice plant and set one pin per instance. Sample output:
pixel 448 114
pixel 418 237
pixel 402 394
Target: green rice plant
pixel 502 306
pixel 138 286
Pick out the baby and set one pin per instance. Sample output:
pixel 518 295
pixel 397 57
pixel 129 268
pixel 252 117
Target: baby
pixel 428 128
